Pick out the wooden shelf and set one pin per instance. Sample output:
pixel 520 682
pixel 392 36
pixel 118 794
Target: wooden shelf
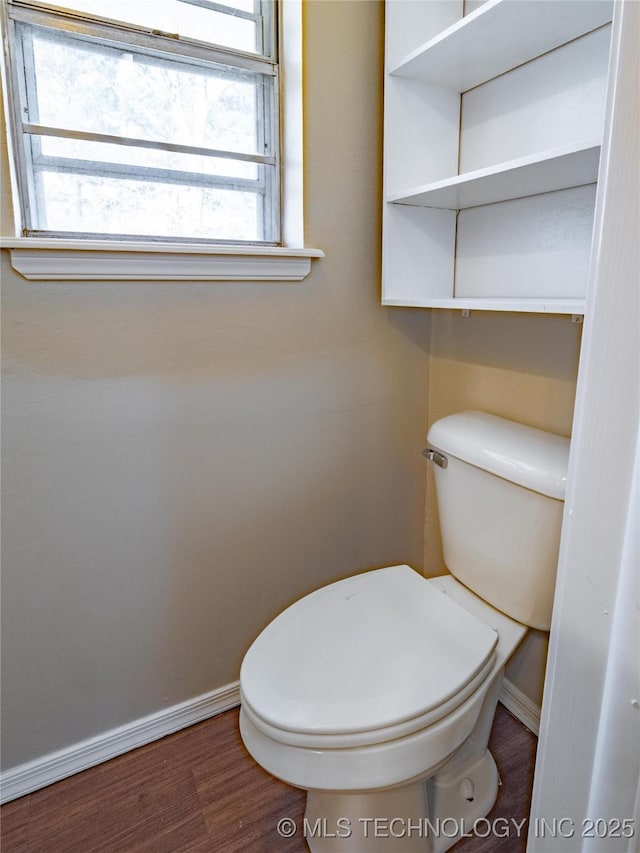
pixel 499 36
pixel 560 168
pixel 540 305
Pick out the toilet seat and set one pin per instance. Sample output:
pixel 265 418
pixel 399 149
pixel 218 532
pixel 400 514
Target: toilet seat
pixel 366 738
pixel 365 660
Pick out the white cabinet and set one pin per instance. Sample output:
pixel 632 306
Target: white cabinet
pixel 493 125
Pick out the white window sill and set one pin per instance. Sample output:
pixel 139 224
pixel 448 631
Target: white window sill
pixel 41 259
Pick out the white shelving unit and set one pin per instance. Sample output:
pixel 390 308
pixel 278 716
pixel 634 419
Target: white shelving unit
pixel 499 36
pixel 461 303
pixel 560 168
pixel 497 114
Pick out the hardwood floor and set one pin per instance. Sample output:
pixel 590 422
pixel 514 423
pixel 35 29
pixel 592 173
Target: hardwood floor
pixel 199 791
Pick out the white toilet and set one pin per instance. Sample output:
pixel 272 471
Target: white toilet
pixel 377 693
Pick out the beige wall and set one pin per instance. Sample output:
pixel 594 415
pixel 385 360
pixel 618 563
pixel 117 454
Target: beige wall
pixel 517 366
pixel 183 460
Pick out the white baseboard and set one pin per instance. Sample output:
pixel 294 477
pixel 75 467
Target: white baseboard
pixel 522 708
pixel 65 762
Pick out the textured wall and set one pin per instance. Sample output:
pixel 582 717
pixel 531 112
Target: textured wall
pixel 183 460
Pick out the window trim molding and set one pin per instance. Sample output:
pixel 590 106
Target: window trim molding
pixel 51 259
pixel 63 259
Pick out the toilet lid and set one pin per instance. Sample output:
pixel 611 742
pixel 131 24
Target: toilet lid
pixel 364 653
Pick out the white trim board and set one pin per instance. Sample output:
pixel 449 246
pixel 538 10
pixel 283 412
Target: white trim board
pixel 49 259
pixel 519 704
pixel 28 777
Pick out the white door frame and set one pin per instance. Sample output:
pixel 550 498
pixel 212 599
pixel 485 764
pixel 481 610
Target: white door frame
pixel 588 759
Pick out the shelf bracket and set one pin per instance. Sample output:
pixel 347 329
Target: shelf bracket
pixel 577 319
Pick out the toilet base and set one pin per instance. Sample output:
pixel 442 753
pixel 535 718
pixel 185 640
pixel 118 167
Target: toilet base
pixel 457 801
pixel 427 816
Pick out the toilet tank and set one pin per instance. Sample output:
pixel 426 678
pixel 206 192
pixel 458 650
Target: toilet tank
pixel 500 500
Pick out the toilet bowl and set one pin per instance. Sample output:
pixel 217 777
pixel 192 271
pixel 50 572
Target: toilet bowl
pixel 309 724
pixel 376 694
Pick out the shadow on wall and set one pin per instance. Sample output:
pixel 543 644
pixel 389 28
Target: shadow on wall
pixel 545 346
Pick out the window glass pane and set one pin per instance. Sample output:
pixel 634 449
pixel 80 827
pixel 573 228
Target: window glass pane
pixel 100 154
pixel 88 84
pixel 89 204
pixel 121 92
pixel 245 5
pixel 185 19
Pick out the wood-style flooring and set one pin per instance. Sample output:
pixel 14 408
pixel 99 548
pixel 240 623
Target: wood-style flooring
pixel 198 791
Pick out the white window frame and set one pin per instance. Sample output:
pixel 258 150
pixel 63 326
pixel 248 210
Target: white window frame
pixel 78 259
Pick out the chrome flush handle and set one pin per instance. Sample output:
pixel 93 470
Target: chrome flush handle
pixel 436 457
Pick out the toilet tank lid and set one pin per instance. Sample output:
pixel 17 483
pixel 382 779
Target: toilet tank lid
pixel 532 458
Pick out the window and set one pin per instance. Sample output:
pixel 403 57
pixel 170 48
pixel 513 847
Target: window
pixel 159 122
